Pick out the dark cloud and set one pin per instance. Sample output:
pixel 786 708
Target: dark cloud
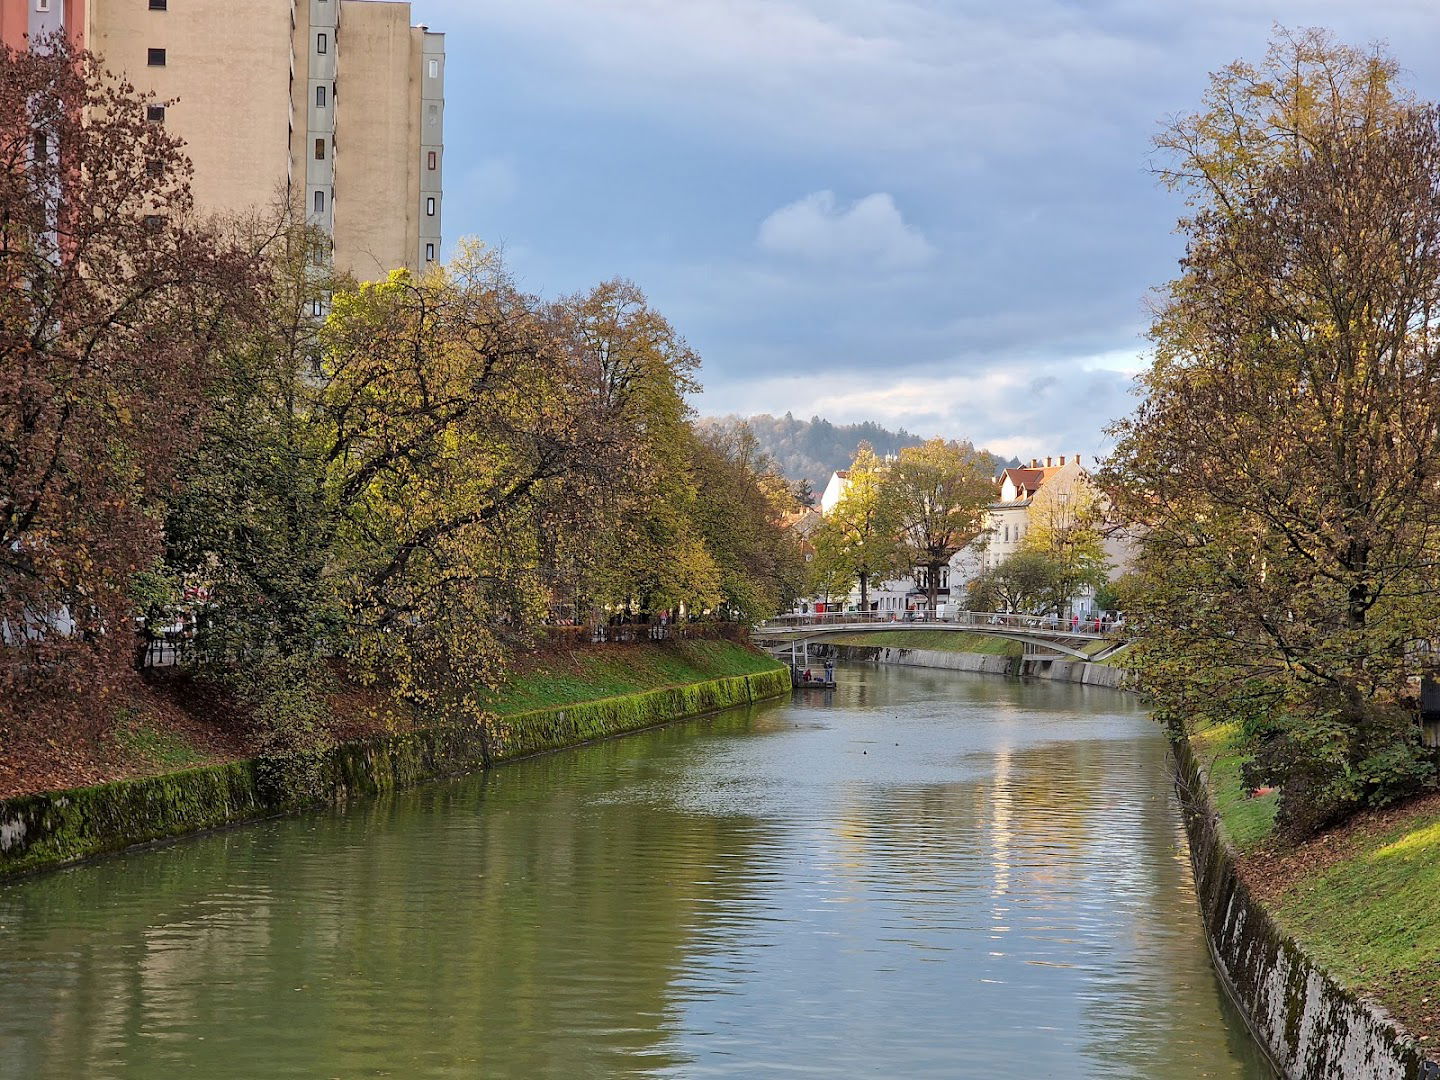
pixel 933 214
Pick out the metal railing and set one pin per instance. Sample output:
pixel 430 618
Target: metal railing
pixel 978 620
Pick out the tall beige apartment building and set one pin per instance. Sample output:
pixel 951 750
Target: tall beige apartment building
pixel 339 104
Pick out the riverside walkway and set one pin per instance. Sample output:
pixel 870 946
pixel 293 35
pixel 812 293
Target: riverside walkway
pixel 1039 633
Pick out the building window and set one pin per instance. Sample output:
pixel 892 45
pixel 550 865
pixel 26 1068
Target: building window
pixel 155 168
pixel 434 113
pixel 319 149
pixel 429 252
pixel 434 69
pixel 158 5
pixel 319 202
pixel 42 146
pixel 154 222
pixel 322 43
pixel 430 207
pixel 155 57
pixel 430 161
pixel 319 97
pixel 42 5
pixel 317 308
pixel 155 113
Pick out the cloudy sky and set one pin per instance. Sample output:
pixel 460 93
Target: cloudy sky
pixel 931 213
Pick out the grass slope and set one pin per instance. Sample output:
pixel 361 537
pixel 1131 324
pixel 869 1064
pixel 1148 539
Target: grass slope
pixel 1247 822
pixel 1364 899
pixel 613 670
pixel 936 640
pixel 1373 917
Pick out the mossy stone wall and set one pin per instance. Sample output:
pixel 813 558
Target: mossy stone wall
pixel 56 828
pixel 1309 1024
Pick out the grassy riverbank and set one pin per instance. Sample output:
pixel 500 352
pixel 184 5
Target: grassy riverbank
pixel 553 701
pixel 1360 899
pixel 614 670
pixel 179 723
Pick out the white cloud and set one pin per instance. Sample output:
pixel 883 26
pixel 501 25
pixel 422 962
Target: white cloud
pixel 1020 408
pixel 870 229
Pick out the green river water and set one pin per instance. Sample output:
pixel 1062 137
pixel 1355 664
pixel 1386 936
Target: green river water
pixel 920 874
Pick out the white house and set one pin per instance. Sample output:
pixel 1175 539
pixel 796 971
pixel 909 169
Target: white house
pixel 1007 521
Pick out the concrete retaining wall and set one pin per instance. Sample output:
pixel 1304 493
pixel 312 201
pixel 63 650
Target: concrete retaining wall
pixel 57 828
pixel 1312 1028
pixel 1076 671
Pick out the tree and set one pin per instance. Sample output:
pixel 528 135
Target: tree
pixel 629 540
pixel 742 502
pixel 255 518
pixel 112 304
pixel 858 540
pixel 368 485
pixel 939 492
pixel 1309 90
pixel 445 416
pixel 1063 527
pixel 1284 464
pixel 1023 581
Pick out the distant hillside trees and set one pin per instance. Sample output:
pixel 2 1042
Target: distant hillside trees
pixel 808 451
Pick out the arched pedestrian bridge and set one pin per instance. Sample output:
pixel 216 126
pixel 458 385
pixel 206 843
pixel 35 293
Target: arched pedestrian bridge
pixel 1041 635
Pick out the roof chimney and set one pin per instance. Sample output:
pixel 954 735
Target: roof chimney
pixel 1077 459
pixel 1062 459
pixel 1048 462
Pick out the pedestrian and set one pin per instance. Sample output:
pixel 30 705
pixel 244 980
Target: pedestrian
pixel 1074 622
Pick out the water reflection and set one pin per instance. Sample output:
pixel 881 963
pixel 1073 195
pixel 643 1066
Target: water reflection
pixel 919 874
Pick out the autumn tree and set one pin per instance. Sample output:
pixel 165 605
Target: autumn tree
pixel 940 492
pixel 112 304
pixel 626 537
pixel 255 517
pixel 368 484
pixel 859 542
pixel 742 500
pixel 445 415
pixel 1284 463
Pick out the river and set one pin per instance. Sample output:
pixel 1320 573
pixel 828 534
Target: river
pixel 919 874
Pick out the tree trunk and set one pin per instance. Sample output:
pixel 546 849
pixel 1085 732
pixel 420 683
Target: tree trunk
pixel 934 586
pixel 864 591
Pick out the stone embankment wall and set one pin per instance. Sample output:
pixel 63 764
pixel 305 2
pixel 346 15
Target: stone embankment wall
pixel 1075 671
pixel 42 831
pixel 1311 1027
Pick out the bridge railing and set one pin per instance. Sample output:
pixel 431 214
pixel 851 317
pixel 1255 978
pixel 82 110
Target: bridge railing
pixel 981 620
